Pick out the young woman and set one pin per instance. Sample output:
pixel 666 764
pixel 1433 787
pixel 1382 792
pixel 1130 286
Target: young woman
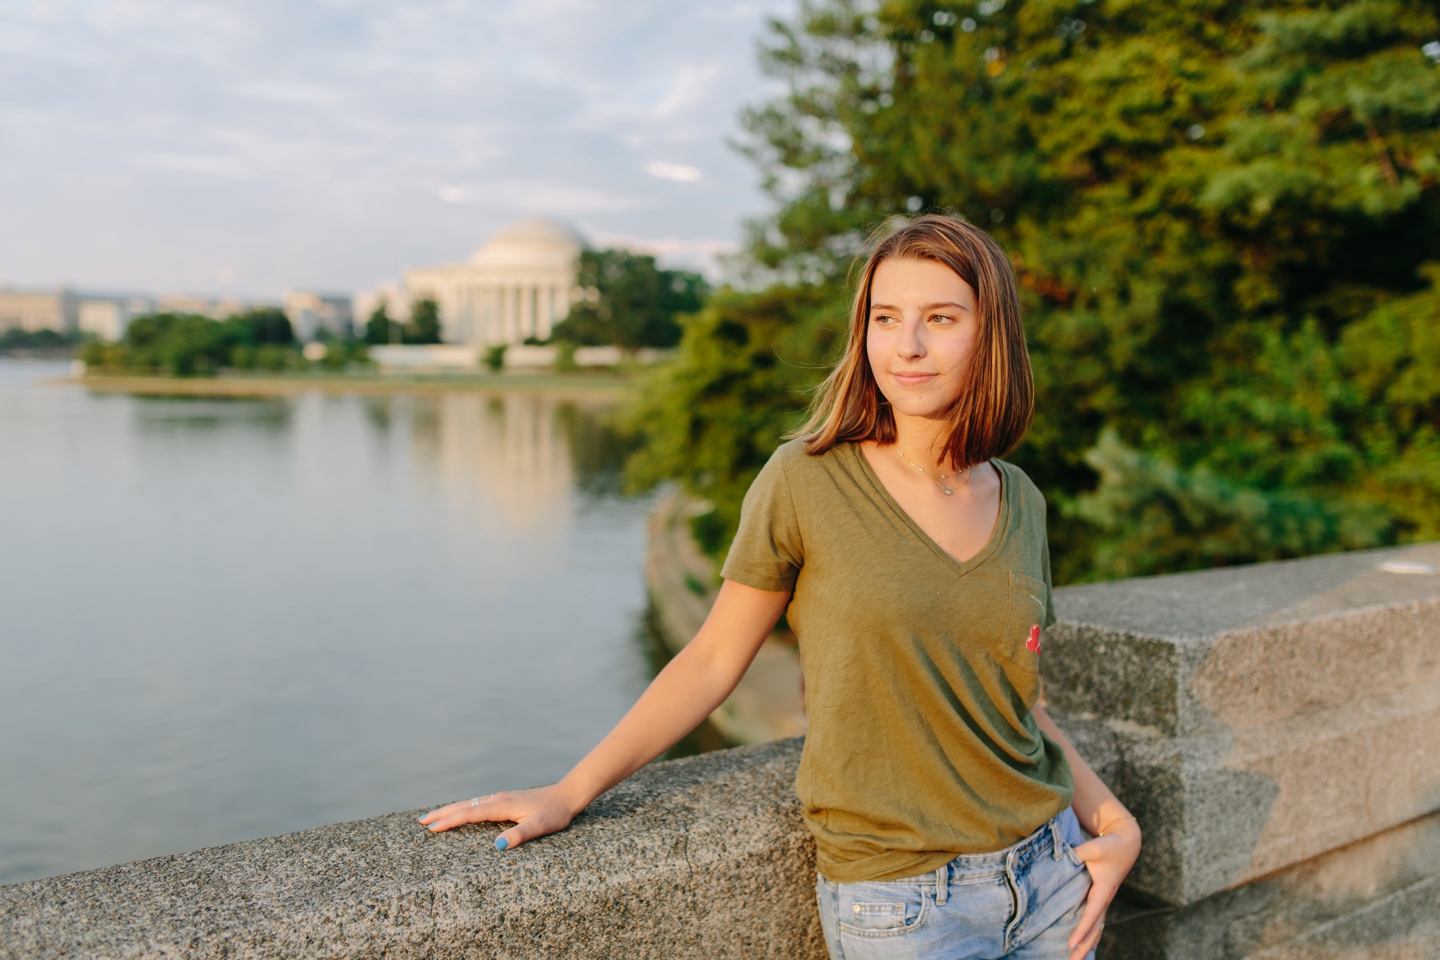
pixel 946 806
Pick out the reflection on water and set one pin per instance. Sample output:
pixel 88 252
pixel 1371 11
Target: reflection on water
pixel 232 618
pixel 513 446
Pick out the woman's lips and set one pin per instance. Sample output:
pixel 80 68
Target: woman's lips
pixel 913 379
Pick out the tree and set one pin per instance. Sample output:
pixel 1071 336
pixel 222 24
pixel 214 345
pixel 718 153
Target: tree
pixel 263 325
pixel 630 301
pixel 187 345
pixel 1224 219
pixel 377 328
pixel 424 325
pixel 713 417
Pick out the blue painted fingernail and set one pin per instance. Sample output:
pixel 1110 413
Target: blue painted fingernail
pixel 501 843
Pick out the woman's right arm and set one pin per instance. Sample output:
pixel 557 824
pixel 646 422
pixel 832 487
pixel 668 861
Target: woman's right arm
pixel 690 687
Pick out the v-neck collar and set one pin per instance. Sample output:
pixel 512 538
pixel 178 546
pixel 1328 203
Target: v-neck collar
pixel 997 535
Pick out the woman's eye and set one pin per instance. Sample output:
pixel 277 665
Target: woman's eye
pixel 883 319
pixel 941 318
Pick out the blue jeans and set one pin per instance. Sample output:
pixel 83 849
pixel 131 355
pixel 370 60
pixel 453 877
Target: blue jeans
pixel 1020 903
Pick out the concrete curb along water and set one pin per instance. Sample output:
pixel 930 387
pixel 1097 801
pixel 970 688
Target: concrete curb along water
pixel 769 702
pixel 704 857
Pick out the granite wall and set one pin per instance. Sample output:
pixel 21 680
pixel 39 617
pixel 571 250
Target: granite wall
pixel 1274 728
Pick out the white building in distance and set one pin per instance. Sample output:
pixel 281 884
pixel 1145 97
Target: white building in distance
pixel 57 309
pixel 309 313
pixel 110 317
pixel 517 286
pixel 107 316
pixel 65 310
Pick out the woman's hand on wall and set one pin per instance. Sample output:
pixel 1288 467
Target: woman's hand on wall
pixel 1109 858
pixel 535 813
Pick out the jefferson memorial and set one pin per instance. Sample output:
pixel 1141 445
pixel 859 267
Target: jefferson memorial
pixel 518 285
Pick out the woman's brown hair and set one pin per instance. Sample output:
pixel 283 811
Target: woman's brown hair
pixel 997 401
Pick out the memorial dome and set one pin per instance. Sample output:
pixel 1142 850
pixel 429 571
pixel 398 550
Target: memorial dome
pixel 531 243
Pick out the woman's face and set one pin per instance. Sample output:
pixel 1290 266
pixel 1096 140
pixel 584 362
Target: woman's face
pixel 920 333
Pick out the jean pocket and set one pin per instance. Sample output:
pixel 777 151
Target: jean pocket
pixel 1068 835
pixel 871 920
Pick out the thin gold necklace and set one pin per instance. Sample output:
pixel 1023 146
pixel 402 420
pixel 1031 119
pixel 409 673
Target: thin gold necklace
pixel 948 491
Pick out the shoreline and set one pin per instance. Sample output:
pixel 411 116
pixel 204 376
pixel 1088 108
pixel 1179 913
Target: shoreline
pixel 769 702
pixel 566 386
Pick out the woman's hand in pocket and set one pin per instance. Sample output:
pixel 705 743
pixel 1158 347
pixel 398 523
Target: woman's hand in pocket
pixel 1109 858
pixel 535 812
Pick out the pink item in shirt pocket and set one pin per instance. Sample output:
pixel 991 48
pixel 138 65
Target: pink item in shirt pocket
pixel 1033 644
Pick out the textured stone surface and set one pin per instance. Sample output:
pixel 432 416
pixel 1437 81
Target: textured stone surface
pixel 703 858
pixel 1262 715
pixel 1379 898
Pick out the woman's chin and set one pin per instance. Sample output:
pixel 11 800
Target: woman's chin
pixel 921 407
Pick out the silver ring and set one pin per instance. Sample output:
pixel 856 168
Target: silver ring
pixel 474 801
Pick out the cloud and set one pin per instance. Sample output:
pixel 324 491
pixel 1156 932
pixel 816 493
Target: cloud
pixel 299 94
pixel 693 253
pixel 690 87
pixel 550 198
pixel 205 165
pixel 678 172
pixel 331 143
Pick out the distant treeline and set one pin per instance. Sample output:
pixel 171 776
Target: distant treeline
pixel 42 342
pixel 422 327
pixel 190 345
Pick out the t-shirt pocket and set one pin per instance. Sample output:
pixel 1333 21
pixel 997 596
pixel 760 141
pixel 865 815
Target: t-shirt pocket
pixel 1019 647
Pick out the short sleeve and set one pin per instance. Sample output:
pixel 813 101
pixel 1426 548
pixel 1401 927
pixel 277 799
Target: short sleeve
pixel 767 553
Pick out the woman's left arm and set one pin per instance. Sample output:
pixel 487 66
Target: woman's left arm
pixel 1111 854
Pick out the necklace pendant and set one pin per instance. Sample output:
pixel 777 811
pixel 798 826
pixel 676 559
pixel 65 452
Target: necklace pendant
pixel 948 491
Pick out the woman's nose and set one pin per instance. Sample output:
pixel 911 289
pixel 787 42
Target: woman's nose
pixel 910 346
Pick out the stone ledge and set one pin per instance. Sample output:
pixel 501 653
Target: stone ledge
pixel 1378 899
pixel 702 857
pixel 1192 653
pixel 1236 697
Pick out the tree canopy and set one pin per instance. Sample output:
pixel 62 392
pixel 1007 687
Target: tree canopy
pixel 187 345
pixel 422 327
pixel 630 302
pixel 1225 224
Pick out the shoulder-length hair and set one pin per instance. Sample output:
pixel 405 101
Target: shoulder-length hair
pixel 996 402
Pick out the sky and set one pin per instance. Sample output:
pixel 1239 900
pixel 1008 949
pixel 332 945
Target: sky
pixel 249 146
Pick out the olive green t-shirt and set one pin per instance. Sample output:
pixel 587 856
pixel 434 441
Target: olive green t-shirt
pixel 918 679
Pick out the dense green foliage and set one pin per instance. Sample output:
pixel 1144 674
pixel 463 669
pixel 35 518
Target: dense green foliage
pixel 422 327
pixel 38 341
pixel 712 418
pixel 188 345
pixel 378 326
pixel 630 302
pixel 1224 219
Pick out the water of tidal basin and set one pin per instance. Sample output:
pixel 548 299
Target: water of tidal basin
pixel 226 618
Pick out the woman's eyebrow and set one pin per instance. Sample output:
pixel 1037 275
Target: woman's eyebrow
pixel 928 306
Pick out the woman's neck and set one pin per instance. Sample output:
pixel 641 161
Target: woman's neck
pixel 923 442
